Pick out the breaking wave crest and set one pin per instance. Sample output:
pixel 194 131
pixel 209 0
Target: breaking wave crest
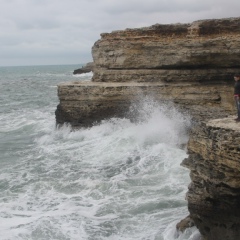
pixel 118 180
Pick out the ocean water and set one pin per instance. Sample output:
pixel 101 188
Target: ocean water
pixel 117 180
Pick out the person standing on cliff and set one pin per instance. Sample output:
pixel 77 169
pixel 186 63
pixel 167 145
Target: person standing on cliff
pixel 237 94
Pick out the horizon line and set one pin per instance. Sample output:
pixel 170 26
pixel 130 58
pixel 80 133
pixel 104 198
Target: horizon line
pixel 39 65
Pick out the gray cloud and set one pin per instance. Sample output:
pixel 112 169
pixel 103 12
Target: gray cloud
pixel 59 31
pixel 156 6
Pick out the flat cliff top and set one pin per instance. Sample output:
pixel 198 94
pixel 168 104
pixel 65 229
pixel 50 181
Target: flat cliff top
pixel 200 28
pixel 225 123
pixel 117 84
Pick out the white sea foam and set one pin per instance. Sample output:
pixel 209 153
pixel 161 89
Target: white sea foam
pixel 83 76
pixel 116 180
pixel 170 233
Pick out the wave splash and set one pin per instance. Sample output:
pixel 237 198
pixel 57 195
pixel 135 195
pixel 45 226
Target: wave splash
pixel 116 180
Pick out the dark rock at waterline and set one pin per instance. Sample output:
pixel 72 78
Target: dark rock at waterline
pixel 185 223
pixel 85 69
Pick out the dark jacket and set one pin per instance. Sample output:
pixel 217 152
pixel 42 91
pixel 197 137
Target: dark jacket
pixel 237 88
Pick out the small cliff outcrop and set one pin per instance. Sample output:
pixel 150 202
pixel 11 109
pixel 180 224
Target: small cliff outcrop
pixel 192 66
pixel 214 193
pixel 84 69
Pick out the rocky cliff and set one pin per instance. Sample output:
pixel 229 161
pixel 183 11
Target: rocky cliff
pixel 214 193
pixel 204 51
pixel 191 65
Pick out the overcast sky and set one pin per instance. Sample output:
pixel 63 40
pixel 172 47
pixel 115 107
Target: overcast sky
pixel 41 32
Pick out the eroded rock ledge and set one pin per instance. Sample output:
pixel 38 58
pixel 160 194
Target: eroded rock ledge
pixel 191 65
pixel 85 103
pixel 214 193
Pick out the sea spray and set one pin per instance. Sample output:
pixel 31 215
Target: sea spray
pixel 116 180
pixel 161 120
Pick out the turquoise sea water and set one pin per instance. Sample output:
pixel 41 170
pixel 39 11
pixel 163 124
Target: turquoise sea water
pixel 117 180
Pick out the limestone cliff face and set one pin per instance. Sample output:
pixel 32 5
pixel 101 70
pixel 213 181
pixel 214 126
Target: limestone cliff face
pixel 214 193
pixel 85 103
pixel 188 64
pixel 203 51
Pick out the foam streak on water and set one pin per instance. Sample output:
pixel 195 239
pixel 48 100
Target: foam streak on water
pixel 118 180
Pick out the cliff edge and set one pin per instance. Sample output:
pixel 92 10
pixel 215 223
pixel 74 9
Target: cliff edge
pixel 214 193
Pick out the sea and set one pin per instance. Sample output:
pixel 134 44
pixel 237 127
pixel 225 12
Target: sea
pixel 116 180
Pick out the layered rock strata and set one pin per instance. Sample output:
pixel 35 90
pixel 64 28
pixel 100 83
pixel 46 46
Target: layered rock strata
pixel 189 64
pixel 214 193
pixel 204 51
pixel 85 103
